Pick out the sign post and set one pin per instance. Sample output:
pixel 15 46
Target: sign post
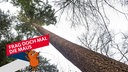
pixel 17 49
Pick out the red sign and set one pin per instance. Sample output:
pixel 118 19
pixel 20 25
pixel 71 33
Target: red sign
pixel 25 45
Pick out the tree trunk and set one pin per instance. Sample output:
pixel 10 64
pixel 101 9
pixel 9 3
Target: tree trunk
pixel 86 60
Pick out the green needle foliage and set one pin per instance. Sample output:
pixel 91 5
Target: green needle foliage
pixel 44 66
pixel 6 36
pixel 33 11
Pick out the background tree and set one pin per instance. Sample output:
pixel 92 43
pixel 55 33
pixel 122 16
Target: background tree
pixel 6 36
pixel 44 66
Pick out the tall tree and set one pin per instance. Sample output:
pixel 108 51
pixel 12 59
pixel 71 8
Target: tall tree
pixel 84 59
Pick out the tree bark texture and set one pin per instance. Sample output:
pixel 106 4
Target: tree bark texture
pixel 85 59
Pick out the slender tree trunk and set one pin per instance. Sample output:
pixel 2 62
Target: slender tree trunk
pixel 86 60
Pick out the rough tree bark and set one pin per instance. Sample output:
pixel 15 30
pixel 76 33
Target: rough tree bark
pixel 86 60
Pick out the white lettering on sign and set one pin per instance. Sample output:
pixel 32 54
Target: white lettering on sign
pixel 14 45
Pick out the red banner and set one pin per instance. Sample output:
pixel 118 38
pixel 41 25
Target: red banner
pixel 25 45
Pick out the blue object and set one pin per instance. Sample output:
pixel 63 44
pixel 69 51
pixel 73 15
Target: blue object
pixel 20 55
